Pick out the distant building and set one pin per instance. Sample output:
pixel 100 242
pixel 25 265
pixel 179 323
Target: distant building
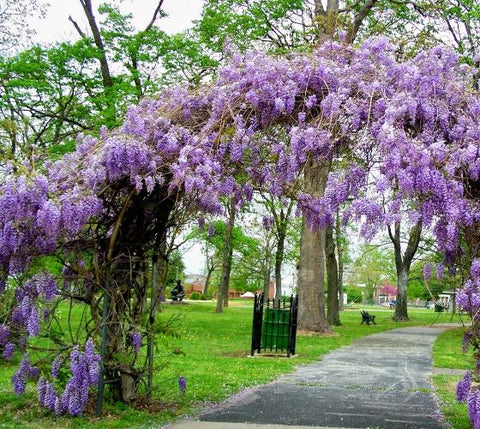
pixel 385 294
pixel 196 283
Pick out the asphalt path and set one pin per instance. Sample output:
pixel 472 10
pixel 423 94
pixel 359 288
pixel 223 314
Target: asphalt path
pixel 379 381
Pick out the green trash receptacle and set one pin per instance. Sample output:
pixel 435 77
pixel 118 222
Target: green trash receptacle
pixel 439 308
pixel 274 327
pixel 275 330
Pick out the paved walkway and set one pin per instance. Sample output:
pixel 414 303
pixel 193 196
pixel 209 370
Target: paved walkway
pixel 380 381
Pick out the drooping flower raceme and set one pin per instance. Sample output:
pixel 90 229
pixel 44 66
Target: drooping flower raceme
pixel 85 369
pixel 136 341
pixel 468 299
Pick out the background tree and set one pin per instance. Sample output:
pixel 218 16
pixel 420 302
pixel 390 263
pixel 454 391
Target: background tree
pixel 403 262
pixel 280 211
pixel 354 294
pixel 15 30
pixel 176 267
pixel 373 268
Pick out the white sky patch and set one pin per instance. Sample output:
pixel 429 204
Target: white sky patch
pixel 56 27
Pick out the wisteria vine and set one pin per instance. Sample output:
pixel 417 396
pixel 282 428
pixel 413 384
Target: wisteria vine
pixel 413 126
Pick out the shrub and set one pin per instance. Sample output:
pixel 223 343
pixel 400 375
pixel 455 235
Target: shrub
pixel 354 294
pixel 195 296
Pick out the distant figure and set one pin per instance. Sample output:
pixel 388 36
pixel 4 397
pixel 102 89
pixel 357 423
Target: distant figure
pixel 177 293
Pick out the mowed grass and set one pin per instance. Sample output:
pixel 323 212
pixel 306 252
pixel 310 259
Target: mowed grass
pixel 212 353
pixel 454 412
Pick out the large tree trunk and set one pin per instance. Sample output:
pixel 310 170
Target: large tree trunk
pixel 401 314
pixel 222 298
pixel 311 301
pixel 333 315
pixel 402 265
pixel 311 270
pixel 210 270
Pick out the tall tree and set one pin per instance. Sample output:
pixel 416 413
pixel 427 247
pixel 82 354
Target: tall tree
pixel 280 209
pixel 311 310
pixel 373 268
pixel 223 288
pixel 403 262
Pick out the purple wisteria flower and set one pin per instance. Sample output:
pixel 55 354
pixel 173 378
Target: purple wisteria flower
pixel 440 271
pixel 41 390
pixel 85 368
pixel 136 341
pixel 19 382
pixel 473 404
pixel 182 384
pixel 463 387
pixel 268 222
pixel 427 271
pixel 56 364
pixel 4 334
pixel 211 230
pixel 8 350
pixel 25 372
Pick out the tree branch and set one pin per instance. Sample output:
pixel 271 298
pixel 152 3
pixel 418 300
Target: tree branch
pixel 415 235
pixel 155 16
pixel 77 27
pixel 97 37
pixel 357 21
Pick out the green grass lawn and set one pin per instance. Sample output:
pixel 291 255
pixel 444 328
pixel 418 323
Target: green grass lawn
pixel 212 353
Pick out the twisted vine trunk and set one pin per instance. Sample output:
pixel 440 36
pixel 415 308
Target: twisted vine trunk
pixel 126 290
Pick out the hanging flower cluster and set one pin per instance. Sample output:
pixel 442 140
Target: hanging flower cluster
pixel 85 368
pixel 468 299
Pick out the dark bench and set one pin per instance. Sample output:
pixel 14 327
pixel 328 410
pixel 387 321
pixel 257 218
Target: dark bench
pixel 367 318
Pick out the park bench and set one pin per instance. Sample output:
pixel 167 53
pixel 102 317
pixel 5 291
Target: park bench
pixel 367 318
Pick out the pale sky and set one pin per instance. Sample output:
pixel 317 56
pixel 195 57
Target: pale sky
pixel 57 27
